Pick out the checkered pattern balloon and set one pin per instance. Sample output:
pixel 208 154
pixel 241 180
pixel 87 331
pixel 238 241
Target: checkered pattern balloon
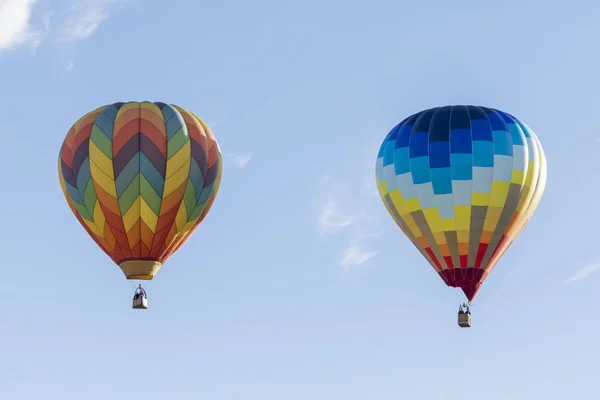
pixel 461 182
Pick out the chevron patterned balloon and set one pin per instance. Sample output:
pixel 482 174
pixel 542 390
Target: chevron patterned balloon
pixel 461 182
pixel 140 177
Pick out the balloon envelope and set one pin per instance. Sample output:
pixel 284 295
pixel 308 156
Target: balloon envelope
pixel 140 177
pixel 461 182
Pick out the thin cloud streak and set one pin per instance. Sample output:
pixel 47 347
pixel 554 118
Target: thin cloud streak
pixel 347 210
pixel 241 161
pixel 354 256
pixel 583 273
pixel 331 219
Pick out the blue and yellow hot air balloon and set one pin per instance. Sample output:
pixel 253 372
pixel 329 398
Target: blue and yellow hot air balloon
pixel 461 182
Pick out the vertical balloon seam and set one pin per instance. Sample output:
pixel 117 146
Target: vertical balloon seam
pixel 538 182
pixel 516 135
pixel 215 184
pixel 105 180
pixel 476 241
pixel 405 129
pixel 532 176
pixel 218 164
pixel 502 201
pixel 78 131
pixel 211 155
pixel 462 193
pixel 165 217
pixel 483 170
pixel 425 238
pixel 447 266
pixel 483 242
pixel 99 215
pixel 543 177
pixel 68 197
pixel 472 237
pixel 496 222
pixel 185 202
pixel 141 202
pixel 152 149
pixel 389 176
pixel 525 202
pixel 461 178
pixel 198 137
pixel 396 177
pixel 382 186
pixel 125 162
pixel 179 181
pixel 513 197
pixel 435 220
pixel 428 246
pixel 423 201
pixel 450 235
pixel 530 199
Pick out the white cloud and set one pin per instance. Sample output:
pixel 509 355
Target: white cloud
pixel 348 210
pixel 15 24
pixel 78 21
pixel 241 161
pixel 36 36
pixel 83 20
pixel 70 65
pixel 584 273
pixel 355 255
pixel 332 219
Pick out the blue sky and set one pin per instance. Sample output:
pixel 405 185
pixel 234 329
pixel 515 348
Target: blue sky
pixel 295 286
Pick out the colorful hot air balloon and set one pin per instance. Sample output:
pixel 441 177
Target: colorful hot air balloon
pixel 140 178
pixel 461 182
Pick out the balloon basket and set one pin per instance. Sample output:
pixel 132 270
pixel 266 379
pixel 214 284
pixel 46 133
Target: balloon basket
pixel 140 300
pixel 464 320
pixel 141 303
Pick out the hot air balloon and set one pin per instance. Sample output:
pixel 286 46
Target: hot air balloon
pixel 461 182
pixel 140 177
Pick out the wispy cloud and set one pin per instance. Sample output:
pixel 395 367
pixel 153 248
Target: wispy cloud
pixel 347 210
pixel 70 65
pixel 354 256
pixel 15 24
pixel 331 217
pixel 241 161
pixel 84 18
pixel 77 22
pixel 583 273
